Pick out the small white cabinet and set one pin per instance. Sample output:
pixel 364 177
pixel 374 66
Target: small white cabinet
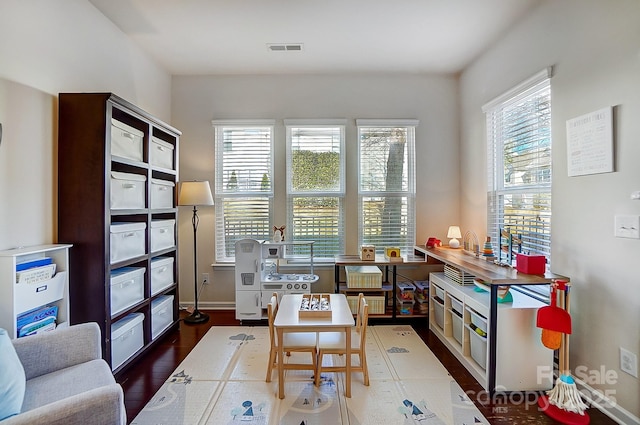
pixel 17 298
pixel 522 363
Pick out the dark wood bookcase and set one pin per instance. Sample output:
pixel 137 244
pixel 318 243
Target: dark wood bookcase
pixel 85 166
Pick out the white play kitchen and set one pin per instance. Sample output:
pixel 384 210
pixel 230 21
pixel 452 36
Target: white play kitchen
pixel 260 271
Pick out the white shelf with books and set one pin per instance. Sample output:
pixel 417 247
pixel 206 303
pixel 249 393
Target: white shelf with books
pixel 34 289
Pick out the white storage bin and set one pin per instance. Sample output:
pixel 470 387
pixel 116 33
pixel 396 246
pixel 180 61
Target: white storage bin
pixel 162 234
pixel 161 154
pixel 438 310
pixel 127 241
pixel 161 274
pixel 126 141
pixel 126 338
pixel 439 292
pixel 161 314
pixel 478 320
pixel 127 288
pixel 127 190
pixel 161 193
pixel 456 326
pixel 478 348
pixel 456 305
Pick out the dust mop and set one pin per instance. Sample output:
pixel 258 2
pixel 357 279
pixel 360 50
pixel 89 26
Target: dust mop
pixel 563 402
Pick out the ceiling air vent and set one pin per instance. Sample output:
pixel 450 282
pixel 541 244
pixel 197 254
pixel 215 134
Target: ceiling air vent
pixel 284 47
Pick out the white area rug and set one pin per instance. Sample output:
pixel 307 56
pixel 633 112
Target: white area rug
pixel 222 381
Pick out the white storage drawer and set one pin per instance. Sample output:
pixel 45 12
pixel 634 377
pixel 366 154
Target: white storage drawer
pixel 127 241
pixel 478 348
pixel 127 191
pixel 31 295
pixel 161 154
pixel 126 141
pixel 438 311
pixel 161 314
pixel 162 234
pixel 161 193
pixel 127 288
pixel 456 326
pixel 478 320
pixel 126 338
pixel 161 274
pixel 456 305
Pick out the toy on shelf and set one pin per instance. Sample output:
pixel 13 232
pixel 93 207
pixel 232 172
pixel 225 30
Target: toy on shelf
pixel 563 402
pixel 504 295
pixel 470 244
pixel 510 244
pixel 487 250
pixel 433 242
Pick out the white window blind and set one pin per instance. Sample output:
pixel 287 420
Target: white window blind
pixel 243 183
pixel 519 166
pixel 386 165
pixel 316 184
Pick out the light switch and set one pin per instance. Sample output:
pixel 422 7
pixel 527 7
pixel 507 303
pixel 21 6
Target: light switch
pixel 627 226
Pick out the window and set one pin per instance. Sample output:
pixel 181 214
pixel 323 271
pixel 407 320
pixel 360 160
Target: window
pixel 315 184
pixel 243 183
pixel 519 165
pixel 386 151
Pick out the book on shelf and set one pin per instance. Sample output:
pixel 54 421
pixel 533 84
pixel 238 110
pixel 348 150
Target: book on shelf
pixel 38 320
pixel 33 263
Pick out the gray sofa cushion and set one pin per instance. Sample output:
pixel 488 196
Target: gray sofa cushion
pixel 65 383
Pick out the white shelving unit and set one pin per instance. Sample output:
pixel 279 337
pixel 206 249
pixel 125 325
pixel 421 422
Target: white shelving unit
pixel 520 356
pixel 18 298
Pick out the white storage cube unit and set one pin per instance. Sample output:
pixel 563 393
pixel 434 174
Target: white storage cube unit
pixel 162 234
pixel 127 191
pixel 161 193
pixel 126 338
pixel 161 274
pixel 161 314
pixel 161 154
pixel 127 288
pixel 127 241
pixel 126 141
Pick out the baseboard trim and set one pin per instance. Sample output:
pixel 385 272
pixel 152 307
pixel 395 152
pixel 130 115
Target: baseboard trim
pixel 607 406
pixel 211 305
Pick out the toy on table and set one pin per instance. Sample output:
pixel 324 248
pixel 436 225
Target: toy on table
pixel 433 242
pixel 487 250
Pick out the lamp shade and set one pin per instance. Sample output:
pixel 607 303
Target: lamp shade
pixel 454 232
pixel 195 193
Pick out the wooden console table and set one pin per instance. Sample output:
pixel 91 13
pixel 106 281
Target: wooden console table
pixel 493 276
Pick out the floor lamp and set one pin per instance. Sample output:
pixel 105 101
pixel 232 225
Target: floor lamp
pixel 196 194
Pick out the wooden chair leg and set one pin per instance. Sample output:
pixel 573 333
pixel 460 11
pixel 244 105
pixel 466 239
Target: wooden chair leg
pixel 365 369
pixel 272 360
pixel 318 367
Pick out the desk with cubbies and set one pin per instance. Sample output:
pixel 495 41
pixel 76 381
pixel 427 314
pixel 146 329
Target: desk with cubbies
pixel 498 343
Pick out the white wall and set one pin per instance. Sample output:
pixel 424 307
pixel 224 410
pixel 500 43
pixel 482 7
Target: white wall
pixel 431 99
pixel 47 47
pixel 594 46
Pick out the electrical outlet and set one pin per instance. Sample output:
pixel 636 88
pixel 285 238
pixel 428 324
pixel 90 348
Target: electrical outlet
pixel 628 362
pixel 627 226
pixel 205 278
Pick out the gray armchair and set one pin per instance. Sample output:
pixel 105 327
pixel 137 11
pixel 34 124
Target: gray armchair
pixel 68 382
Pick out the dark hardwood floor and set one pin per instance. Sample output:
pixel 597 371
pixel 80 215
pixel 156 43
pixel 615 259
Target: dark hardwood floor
pixel 142 379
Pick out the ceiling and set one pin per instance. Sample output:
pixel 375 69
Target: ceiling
pixel 209 37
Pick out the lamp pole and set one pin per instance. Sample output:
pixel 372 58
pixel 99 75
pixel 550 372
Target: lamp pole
pixel 196 316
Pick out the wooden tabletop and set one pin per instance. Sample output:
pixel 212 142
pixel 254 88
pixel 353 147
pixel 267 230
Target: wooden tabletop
pixel 489 272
